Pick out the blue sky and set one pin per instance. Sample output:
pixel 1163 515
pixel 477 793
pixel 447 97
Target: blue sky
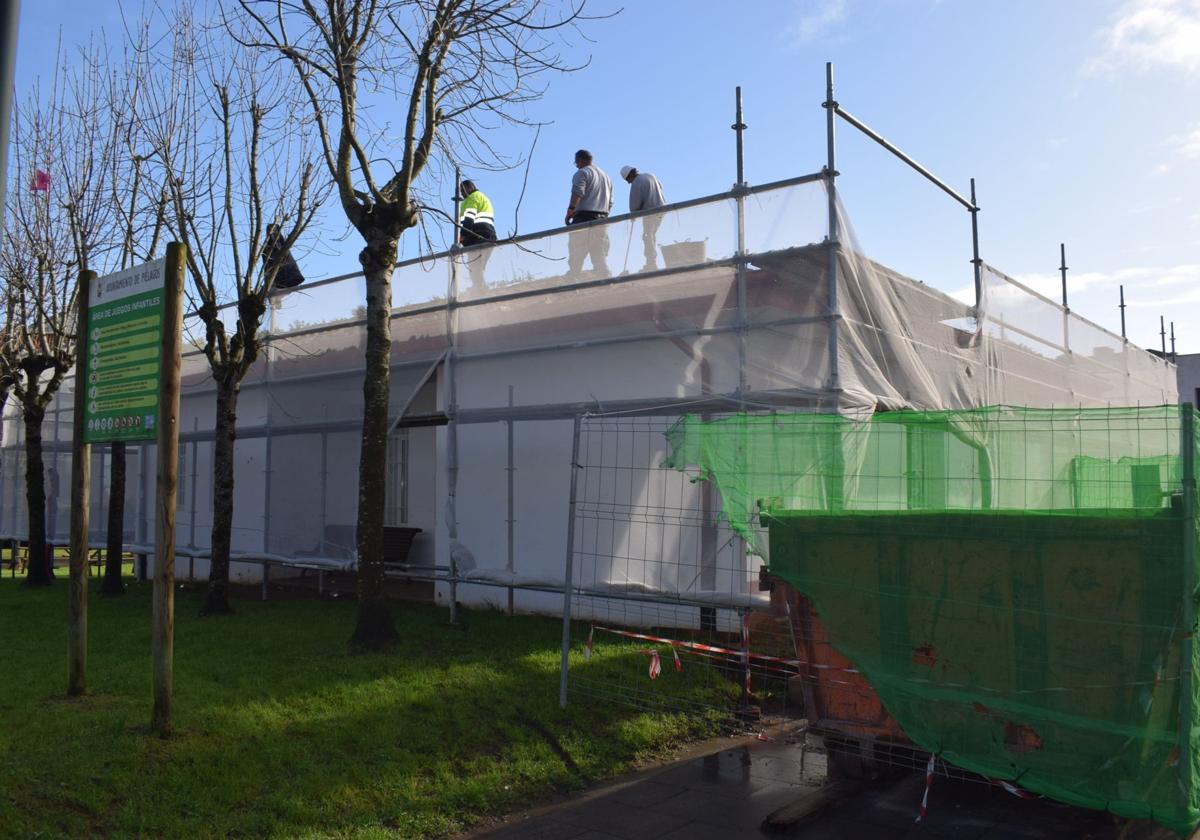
pixel 1076 117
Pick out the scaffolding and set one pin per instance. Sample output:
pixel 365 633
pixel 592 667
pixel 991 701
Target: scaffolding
pixel 536 413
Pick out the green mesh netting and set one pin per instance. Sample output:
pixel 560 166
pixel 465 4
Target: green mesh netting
pixel 1017 585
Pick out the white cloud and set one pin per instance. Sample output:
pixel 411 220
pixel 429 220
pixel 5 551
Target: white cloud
pixel 1186 145
pixel 1152 285
pixel 1150 34
pixel 818 17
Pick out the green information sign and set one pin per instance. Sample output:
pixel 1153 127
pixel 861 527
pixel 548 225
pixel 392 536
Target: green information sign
pixel 124 330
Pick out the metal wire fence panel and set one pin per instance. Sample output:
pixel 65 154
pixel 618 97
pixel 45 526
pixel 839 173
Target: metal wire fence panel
pixel 1011 590
pixel 666 600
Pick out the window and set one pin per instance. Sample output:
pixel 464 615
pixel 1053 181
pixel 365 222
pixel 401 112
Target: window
pixel 397 479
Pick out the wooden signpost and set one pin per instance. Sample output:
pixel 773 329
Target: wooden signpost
pixel 81 481
pixel 163 630
pixel 129 334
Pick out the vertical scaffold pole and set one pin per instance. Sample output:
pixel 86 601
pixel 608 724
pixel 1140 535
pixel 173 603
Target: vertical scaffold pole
pixel 830 105
pixel 10 17
pixel 569 570
pixel 739 191
pixel 1187 435
pixel 834 478
pixel 452 406
pixel 743 317
pixel 195 456
pixel 1062 268
pixel 509 565
pixel 1162 332
pixel 975 260
pixel 324 483
pixel 272 326
pixel 1173 341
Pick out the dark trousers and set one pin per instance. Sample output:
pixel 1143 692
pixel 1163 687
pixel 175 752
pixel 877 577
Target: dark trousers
pixel 477 233
pixel 587 216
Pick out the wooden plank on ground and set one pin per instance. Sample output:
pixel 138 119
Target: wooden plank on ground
pixel 810 804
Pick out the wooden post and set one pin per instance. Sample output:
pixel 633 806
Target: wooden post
pixel 163 631
pixel 81 480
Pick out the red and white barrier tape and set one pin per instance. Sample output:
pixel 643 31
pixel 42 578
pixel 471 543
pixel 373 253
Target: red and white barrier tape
pixel 698 646
pixel 655 663
pixel 929 767
pixel 1014 790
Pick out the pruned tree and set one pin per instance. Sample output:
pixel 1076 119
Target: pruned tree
pixel 139 203
pixel 242 168
pixel 456 68
pixel 38 258
pixel 61 220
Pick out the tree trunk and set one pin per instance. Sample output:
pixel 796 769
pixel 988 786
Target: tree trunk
pixel 375 628
pixel 5 390
pixel 217 602
pixel 114 551
pixel 41 572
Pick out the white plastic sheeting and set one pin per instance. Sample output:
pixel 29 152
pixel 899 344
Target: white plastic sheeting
pixel 738 309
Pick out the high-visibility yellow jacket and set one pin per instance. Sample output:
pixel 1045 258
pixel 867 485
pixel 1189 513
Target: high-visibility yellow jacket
pixel 476 208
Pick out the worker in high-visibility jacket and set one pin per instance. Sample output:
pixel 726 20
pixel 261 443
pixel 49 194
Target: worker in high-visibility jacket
pixel 477 230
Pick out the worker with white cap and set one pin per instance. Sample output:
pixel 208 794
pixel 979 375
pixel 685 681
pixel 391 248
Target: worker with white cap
pixel 646 193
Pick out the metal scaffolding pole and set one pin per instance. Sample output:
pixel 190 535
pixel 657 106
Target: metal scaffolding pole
pixel 832 244
pixel 10 16
pixel 509 565
pixel 1062 267
pixel 568 575
pixel 195 475
pixel 324 483
pixel 451 410
pixel 1187 434
pixel 739 191
pixel 270 352
pixel 976 262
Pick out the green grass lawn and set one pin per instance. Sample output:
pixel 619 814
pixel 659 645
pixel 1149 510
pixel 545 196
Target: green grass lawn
pixel 282 733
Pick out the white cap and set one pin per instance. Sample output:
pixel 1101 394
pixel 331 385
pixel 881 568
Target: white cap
pixel 625 170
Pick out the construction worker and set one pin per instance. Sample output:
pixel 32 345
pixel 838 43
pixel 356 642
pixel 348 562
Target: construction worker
pixel 591 200
pixel 477 227
pixel 646 193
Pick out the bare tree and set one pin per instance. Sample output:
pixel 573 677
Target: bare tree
pixel 38 257
pixel 139 203
pixel 242 169
pixel 456 67
pixel 62 220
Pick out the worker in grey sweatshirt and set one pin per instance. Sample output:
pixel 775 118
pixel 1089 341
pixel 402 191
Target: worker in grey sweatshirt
pixel 591 200
pixel 646 193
